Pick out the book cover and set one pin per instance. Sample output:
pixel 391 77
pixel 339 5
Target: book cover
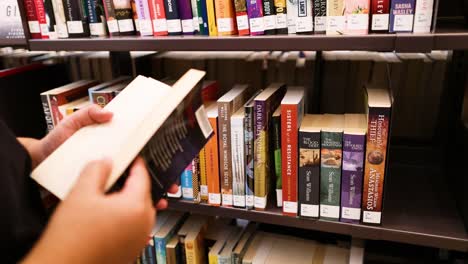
pixel 165 233
pixel 378 129
pixel 380 16
pixel 354 142
pixel 173 251
pixel 281 17
pixel 212 158
pixel 144 17
pixel 195 16
pixel 124 16
pixel 174 24
pixel 423 16
pixel 357 17
pixel 336 23
pixel 203 177
pixel 255 14
pixel 77 20
pixel 309 166
pixel 33 21
pixel 276 150
pixel 331 154
pixel 402 15
pixel 60 20
pixel 305 20
pixel 269 17
pixel 320 16
pixel 186 182
pixel 249 151
pixel 224 257
pixel 96 18
pixel 196 179
pixel 195 245
pixel 211 15
pixel 264 105
pixel 111 20
pixel 228 104
pixel 42 18
pixel 103 93
pixel 186 17
pixel 292 112
pixel 238 158
pixel 158 17
pixel 225 17
pixel 202 17
pixel 242 18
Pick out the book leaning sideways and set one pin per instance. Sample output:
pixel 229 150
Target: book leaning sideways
pixel 165 125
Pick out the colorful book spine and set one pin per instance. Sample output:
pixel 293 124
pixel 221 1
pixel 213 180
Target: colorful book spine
pixel 33 22
pixel 281 17
pixel 186 17
pixel 238 162
pixel 195 16
pixel 320 16
pixel 186 182
pixel 111 20
pixel 41 18
pixel 305 20
pixel 336 23
pixel 96 23
pixel 60 19
pixel 77 21
pixel 144 18
pixel 212 165
pixel 242 18
pixel 291 16
pixel 402 15
pixel 174 26
pixel 203 177
pixel 351 185
pixel 255 14
pixel 224 134
pixel 202 17
pixel 357 17
pixel 225 17
pixel 158 17
pixel 276 143
pixel 260 154
pixel 196 179
pixel 269 17
pixel 149 252
pixel 380 16
pixel 211 14
pixel 423 16
pixel 124 16
pixel 249 155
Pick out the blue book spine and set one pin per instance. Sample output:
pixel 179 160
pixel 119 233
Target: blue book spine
pixel 186 183
pixel 202 17
pixel 402 15
pixel 160 245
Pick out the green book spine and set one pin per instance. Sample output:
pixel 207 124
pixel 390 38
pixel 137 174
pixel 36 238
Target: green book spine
pixel 276 138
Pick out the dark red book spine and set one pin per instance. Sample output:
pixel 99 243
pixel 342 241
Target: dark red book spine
pixel 31 16
pixel 380 16
pixel 41 17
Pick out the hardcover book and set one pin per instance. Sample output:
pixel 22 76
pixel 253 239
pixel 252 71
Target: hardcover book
pixel 238 158
pixel 186 182
pixel 158 17
pixel 255 14
pixel 124 16
pixel 111 19
pixel 269 17
pixel 320 16
pixel 264 104
pixel 42 18
pixel 402 15
pixel 291 15
pixel 211 15
pixel 242 18
pixel 423 16
pixel 144 17
pixel 174 24
pixel 186 17
pixel 33 21
pixel 331 154
pixel 380 16
pixel 60 20
pixel 225 17
pixel 309 166
pixel 304 21
pixel 357 17
pixel 228 104
pixel 276 151
pixel 378 129
pixel 212 158
pixel 180 112
pixel 96 18
pixel 292 112
pixel 195 16
pixel 202 17
pixel 336 22
pixel 77 19
pixel 354 142
pixel 281 17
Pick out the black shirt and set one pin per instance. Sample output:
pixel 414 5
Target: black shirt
pixel 22 214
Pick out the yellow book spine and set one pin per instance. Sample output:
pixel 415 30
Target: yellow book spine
pixel 210 9
pixel 225 17
pixel 212 259
pixel 203 177
pixel 189 252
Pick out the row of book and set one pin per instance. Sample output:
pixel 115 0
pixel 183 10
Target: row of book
pixel 195 239
pixel 84 18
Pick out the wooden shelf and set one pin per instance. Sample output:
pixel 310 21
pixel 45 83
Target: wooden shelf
pixel 13 42
pixel 417 210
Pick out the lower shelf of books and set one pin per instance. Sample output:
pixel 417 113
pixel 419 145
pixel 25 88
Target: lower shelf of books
pixel 418 209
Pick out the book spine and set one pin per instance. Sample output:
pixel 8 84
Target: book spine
pixel 242 18
pixel 144 18
pixel 50 18
pixel 374 173
pixel 47 112
pixel 291 15
pixel 203 176
pixel 54 109
pixel 276 143
pixel 309 174
pixel 158 17
pixel 33 22
pixel 202 17
pixel 195 17
pixel 136 22
pixel 357 17
pixel 185 13
pixel 75 13
pixel 60 19
pixel 269 17
pixel 255 14
pixel 174 26
pixel 260 155
pixel 111 21
pixel 96 25
pixel 289 145
pixel 249 157
pixel 351 184
pixel 160 246
pixel 101 99
pixel 402 16
pixel 423 16
pixel 150 252
pixel 305 20
pixel 212 166
pixel 196 179
pixel 186 183
pixel 281 17
pixel 143 257
pixel 238 162
pixel 330 175
pixel 211 14
pixel 380 16
pixel 225 17
pixel 320 16
pixel 41 18
pixel 224 131
pixel 124 16
pixel 335 17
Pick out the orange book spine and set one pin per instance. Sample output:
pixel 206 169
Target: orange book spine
pixel 212 165
pixel 289 157
pixel 225 17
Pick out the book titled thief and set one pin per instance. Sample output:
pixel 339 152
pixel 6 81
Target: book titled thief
pixel 238 158
pixel 174 25
pixel 320 16
pixel 378 127
pixel 380 16
pixel 354 142
pixel 241 17
pixel 336 22
pixel 330 166
pixel 249 151
pixel 402 15
pixel 276 151
pixel 305 21
pixel 292 112
pixel 158 17
pixel 423 16
pixel 309 166
pixel 255 13
pixel 357 17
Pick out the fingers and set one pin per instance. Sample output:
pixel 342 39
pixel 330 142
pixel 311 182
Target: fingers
pixel 92 114
pixel 94 176
pixel 138 183
pixel 162 204
pixel 173 189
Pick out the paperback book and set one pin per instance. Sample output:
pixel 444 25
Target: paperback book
pixel 276 151
pixel 158 17
pixel 320 16
pixel 336 22
pixel 423 16
pixel 402 15
pixel 357 17
pixel 255 14
pixel 238 158
pixel 380 16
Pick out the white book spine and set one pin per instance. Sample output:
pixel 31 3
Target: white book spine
pixel 291 16
pixel 304 21
pixel 238 162
pixel 423 16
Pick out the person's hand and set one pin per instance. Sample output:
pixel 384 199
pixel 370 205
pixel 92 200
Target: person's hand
pixel 90 226
pixel 40 149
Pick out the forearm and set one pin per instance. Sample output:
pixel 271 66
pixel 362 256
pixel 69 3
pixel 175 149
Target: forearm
pixel 34 148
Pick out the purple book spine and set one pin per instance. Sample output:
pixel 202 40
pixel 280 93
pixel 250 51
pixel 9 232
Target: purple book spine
pixel 255 14
pixel 402 15
pixel 185 13
pixel 144 19
pixel 351 182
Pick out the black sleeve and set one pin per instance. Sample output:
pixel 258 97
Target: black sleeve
pixel 22 214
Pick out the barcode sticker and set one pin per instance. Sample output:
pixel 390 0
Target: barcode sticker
pixel 358 21
pixel 203 121
pixel 62 31
pixel 279 197
pixel 239 200
pixel 187 193
pixel 291 25
pixel 310 210
pixel 260 202
pixel 256 24
pixel 125 25
pixel 290 207
pixel 187 25
pixel 371 217
pixel 112 26
pixel 174 26
pixel 160 25
pixel 227 199
pixel 44 29
pixel 249 200
pixel 351 213
pixel 146 29
pixel 270 22
pixel 320 23
pixel 204 190
pixel 97 29
pixel 281 21
pixel 75 27
pixel 225 24
pixel 242 22
pixel 214 198
pixel 380 21
pixel 178 194
pixel 331 211
pixel 34 27
pixel 335 24
pixel 403 23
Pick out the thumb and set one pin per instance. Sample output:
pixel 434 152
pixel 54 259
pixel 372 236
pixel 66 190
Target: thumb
pixel 138 184
pixel 94 176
